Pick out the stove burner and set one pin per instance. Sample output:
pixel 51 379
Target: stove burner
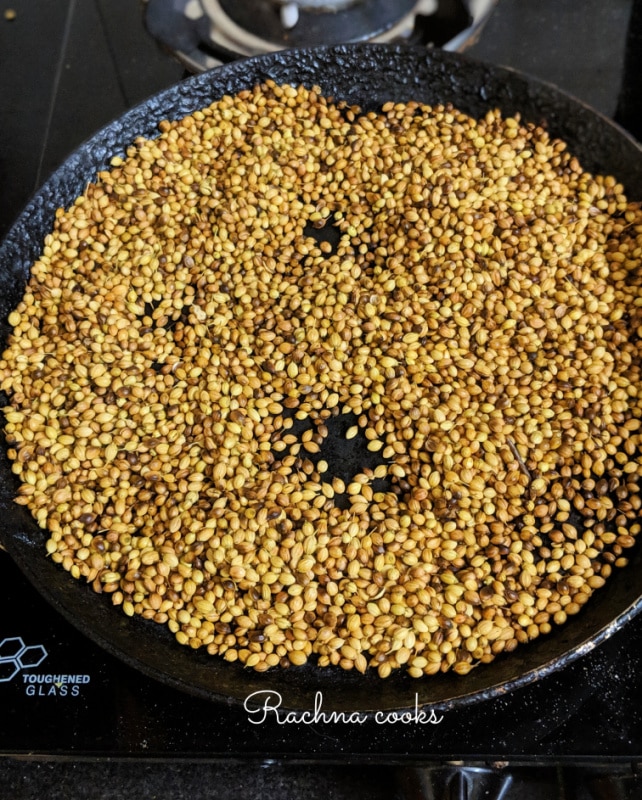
pixel 206 33
pixel 290 11
pixel 457 782
pixel 260 25
pixel 509 781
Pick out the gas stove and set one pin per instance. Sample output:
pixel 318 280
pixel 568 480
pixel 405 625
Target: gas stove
pixel 575 733
pixel 205 33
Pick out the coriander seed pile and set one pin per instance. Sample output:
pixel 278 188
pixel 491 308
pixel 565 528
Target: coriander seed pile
pixel 458 294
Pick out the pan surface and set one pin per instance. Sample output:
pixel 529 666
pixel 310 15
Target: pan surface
pixel 367 76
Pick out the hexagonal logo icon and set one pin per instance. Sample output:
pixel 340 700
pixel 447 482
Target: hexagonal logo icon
pixel 32 656
pixel 8 670
pixel 15 655
pixel 11 648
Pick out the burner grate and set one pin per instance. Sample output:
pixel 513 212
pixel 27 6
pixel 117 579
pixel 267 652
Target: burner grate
pixel 203 34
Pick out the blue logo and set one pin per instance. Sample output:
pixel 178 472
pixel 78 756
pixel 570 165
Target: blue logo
pixel 15 655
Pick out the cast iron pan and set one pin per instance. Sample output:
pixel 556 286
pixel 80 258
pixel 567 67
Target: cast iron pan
pixel 368 76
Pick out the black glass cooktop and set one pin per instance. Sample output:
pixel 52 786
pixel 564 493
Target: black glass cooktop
pixel 62 695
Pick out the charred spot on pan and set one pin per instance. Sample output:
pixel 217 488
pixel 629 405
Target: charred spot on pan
pixel 323 230
pixel 149 307
pixel 155 320
pixel 327 450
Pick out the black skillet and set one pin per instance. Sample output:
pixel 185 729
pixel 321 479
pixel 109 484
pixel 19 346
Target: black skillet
pixel 368 76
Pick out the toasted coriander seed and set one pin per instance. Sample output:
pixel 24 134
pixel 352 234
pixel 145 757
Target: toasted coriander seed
pixel 477 319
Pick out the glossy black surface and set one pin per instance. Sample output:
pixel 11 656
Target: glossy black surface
pixel 109 709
